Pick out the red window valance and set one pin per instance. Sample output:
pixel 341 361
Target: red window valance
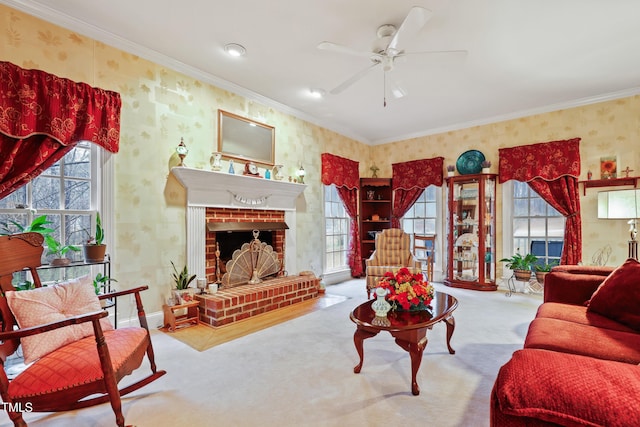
pixel 545 160
pixel 42 117
pixel 35 102
pixel 340 171
pixel 417 173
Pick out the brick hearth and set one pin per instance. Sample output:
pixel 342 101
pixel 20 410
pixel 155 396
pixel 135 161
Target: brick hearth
pixel 241 302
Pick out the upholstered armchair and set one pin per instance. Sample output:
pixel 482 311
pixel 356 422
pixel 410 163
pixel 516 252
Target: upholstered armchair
pixel 392 252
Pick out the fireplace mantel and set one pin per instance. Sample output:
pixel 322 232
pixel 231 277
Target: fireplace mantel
pixel 219 189
pixel 222 190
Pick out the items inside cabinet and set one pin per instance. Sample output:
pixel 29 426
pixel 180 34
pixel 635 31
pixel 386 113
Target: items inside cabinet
pixel 471 232
pixel 375 212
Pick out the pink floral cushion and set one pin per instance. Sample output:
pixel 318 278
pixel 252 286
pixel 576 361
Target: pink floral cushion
pixel 53 303
pixel 618 297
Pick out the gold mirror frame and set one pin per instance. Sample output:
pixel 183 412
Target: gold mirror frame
pixel 245 139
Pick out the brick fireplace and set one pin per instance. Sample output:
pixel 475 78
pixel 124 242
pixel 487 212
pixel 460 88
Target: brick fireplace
pixel 219 202
pixel 223 221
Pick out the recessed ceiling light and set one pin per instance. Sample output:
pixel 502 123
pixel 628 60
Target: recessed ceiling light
pixel 317 93
pixel 235 49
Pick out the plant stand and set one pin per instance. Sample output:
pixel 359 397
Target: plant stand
pixel 171 321
pixel 530 283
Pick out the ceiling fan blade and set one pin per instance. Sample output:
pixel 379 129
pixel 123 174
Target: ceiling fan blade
pixel 415 20
pixel 360 74
pixel 448 53
pixel 342 49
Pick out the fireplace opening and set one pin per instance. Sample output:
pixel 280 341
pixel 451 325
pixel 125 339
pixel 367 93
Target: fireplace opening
pixel 229 241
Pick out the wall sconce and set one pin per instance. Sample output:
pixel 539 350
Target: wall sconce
pixel 301 173
pixel 622 204
pixel 182 151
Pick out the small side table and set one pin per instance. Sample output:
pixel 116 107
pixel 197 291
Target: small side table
pixel 171 321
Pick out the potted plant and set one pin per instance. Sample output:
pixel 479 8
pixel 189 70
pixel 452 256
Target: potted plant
pixel 58 250
pixel 38 225
pixel 182 280
pixel 99 283
pixel 486 165
pixel 543 269
pixel 94 250
pixel 521 265
pixel 450 170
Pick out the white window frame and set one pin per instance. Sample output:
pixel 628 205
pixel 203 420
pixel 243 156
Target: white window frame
pixel 334 275
pixel 438 271
pixel 507 228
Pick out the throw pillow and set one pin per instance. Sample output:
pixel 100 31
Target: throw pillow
pixel 618 297
pixel 52 303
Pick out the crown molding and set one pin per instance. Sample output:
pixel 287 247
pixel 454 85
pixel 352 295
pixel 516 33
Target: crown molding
pixel 515 115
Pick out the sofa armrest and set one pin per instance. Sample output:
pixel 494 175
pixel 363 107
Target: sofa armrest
pixel 596 270
pixel 570 288
pixel 566 389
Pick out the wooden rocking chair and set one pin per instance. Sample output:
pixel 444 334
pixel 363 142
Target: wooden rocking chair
pixel 83 371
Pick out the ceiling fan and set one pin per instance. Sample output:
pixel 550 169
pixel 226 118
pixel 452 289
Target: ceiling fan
pixel 387 48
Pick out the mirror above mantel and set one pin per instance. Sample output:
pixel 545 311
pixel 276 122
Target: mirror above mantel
pixel 244 139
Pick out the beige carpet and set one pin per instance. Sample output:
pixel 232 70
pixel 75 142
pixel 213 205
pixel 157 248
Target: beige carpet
pixel 202 337
pixel 300 373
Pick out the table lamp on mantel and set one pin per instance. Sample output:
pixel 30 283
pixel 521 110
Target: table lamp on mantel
pixel 622 204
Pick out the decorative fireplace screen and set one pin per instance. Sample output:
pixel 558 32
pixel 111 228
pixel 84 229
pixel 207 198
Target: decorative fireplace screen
pixel 251 263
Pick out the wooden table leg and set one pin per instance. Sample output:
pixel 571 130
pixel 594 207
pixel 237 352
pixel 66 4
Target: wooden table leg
pixel 359 336
pixel 451 325
pixel 415 349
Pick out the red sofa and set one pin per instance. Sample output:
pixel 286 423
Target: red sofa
pixel 579 364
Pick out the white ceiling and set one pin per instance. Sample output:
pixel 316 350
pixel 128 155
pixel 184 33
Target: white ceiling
pixel 523 56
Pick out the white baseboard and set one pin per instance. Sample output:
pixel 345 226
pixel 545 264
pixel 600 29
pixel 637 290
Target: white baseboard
pixel 336 277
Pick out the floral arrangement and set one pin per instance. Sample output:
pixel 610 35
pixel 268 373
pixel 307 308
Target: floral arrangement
pixel 406 290
pixel 451 168
pixel 485 164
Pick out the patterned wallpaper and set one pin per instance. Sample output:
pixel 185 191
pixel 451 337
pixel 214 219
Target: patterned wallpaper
pixel 160 106
pixel 609 128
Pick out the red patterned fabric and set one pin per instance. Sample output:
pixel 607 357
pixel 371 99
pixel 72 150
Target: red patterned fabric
pixel 340 171
pixel 566 389
pixel 409 181
pixel 564 195
pixel 546 160
pixel 551 169
pixel 43 116
pixel 618 297
pixel 349 198
pixel 78 363
pixel 345 175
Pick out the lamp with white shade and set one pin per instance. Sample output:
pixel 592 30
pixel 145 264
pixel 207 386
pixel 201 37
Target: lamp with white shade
pixel 622 204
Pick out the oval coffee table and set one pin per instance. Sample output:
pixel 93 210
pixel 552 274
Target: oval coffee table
pixel 409 328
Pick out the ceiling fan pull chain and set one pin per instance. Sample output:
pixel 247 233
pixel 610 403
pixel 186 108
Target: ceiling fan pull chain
pixel 384 89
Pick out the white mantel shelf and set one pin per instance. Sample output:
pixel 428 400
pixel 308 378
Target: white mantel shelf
pixel 219 189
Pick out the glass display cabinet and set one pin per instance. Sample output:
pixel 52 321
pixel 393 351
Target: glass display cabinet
pixel 471 232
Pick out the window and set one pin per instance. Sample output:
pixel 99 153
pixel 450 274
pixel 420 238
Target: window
pixel 537 227
pixel 421 217
pixel 65 193
pixel 336 231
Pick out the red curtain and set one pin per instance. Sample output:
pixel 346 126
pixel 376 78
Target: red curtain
pixel 344 174
pixel 409 181
pixel 552 170
pixel 42 117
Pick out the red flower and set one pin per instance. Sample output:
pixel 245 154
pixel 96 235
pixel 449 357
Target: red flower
pixel 406 289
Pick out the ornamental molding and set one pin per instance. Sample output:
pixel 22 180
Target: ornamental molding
pixel 219 189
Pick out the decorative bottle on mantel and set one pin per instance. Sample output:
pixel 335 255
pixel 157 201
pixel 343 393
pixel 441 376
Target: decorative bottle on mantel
pixel 231 170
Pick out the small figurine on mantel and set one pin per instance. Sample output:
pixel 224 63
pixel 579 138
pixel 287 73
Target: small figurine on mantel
pixel 374 171
pixel 626 172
